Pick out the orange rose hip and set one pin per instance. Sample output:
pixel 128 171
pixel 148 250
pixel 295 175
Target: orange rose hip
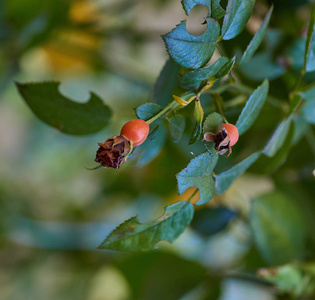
pixel 136 131
pixel 232 132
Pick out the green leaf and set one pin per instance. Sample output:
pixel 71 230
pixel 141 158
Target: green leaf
pixel 211 220
pixel 279 158
pixel 135 236
pixel 278 226
pixel 177 127
pixel 252 108
pixel 193 79
pixel 199 173
pixel 188 5
pixel 301 126
pixel 151 148
pixel 196 134
pixel 150 273
pixel 309 56
pixel 296 279
pixel 308 109
pixel 33 21
pixel 147 111
pixel 217 12
pixel 225 69
pixel 295 101
pixel 224 180
pixel 257 39
pixel 278 138
pixel 192 51
pixel 166 83
pixel 70 117
pixel 237 15
pixel 217 70
pixel 212 122
pixel 266 64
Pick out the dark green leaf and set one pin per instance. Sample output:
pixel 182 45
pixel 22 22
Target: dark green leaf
pixel 308 109
pixel 217 12
pixel 147 111
pixel 225 69
pixel 224 180
pixel 188 5
pixel 237 15
pixel 257 39
pixel 211 220
pixel 295 101
pixel 177 127
pixel 135 236
pixel 151 148
pixel 278 228
pixel 150 274
pixel 212 122
pixel 193 79
pixel 252 108
pixel 295 54
pixel 196 134
pixel 278 138
pixel 46 102
pixel 279 158
pixel 192 51
pixel 309 57
pixel 35 20
pixel 267 66
pixel 300 128
pixel 165 84
pixel 199 173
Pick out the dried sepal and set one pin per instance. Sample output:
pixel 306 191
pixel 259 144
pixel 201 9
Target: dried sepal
pixel 113 152
pixel 209 137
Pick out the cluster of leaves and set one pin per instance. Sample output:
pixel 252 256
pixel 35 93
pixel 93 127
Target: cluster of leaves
pixel 187 74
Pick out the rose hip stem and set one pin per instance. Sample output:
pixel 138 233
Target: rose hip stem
pixel 170 106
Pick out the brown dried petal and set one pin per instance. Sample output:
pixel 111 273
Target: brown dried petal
pixel 221 140
pixel 209 137
pixel 112 152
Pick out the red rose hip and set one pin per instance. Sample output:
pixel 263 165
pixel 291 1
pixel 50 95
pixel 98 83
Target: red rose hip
pixel 136 131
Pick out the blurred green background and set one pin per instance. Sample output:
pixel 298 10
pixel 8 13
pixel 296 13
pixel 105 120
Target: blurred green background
pixel 54 212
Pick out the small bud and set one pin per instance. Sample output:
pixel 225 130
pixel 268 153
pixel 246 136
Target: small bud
pixel 113 152
pixel 198 112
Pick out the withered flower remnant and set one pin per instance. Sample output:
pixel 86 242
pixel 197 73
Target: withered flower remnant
pixel 226 137
pixel 113 152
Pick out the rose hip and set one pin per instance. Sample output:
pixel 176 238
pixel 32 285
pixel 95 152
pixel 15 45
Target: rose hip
pixel 136 131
